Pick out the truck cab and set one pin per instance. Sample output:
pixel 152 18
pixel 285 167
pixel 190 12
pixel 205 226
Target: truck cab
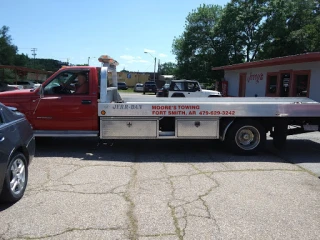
pixel 54 108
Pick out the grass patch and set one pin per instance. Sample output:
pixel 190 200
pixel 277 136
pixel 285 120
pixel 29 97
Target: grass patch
pixel 129 90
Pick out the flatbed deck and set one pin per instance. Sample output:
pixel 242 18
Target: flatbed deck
pixel 212 107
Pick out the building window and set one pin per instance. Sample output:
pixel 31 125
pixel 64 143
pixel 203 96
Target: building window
pixel 301 84
pixel 272 84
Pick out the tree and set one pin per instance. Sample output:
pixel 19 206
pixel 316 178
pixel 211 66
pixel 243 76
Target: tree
pixel 21 60
pixel 8 51
pixel 168 68
pixel 197 49
pixel 293 26
pixel 243 30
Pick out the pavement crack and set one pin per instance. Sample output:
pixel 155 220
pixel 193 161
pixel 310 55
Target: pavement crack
pixel 158 235
pixel 76 192
pixel 133 221
pixel 178 231
pixel 67 231
pixel 277 154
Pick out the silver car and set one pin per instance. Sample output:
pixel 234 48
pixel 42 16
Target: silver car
pixel 17 149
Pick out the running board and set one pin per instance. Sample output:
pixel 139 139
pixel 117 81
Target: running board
pixel 65 133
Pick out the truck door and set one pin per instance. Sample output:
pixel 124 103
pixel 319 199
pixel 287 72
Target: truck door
pixel 61 108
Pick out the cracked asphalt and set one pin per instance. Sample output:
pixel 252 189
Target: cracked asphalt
pixel 152 189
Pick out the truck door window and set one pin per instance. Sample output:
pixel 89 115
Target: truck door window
pixel 64 83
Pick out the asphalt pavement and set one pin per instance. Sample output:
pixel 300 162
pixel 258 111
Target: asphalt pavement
pixel 166 190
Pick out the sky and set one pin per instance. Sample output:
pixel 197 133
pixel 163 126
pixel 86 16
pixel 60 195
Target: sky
pixel 83 30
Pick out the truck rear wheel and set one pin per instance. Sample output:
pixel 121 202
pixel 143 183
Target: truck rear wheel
pixel 246 137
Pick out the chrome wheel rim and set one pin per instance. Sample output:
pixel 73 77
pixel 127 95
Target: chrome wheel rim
pixel 17 176
pixel 247 138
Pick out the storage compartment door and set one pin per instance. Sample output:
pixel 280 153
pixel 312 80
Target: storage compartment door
pixel 113 129
pixel 198 129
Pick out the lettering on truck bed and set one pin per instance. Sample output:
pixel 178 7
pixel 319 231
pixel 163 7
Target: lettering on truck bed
pixel 164 110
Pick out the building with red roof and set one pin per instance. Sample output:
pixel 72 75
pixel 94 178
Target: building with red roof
pixel 289 76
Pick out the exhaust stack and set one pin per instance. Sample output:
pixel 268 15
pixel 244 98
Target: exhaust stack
pixel 108 65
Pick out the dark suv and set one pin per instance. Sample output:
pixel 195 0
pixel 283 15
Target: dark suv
pixel 122 86
pixel 150 87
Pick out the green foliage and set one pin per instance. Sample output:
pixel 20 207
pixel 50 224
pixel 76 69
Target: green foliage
pixel 293 26
pixel 243 31
pixel 197 49
pixel 8 51
pixel 168 68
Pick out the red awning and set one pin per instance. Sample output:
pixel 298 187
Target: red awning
pixel 300 58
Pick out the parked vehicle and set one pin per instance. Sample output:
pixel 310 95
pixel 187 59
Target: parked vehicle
pixel 241 123
pixel 36 83
pixel 122 86
pixel 17 149
pixel 163 91
pixel 187 88
pixel 150 86
pixel 26 84
pixel 4 86
pixel 138 87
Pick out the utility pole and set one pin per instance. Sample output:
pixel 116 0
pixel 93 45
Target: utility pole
pixel 159 68
pixel 33 50
pixel 155 62
pixel 154 72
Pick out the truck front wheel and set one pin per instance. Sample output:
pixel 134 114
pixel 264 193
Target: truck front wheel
pixel 246 137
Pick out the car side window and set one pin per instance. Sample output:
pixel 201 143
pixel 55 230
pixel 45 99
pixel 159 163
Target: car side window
pixel 178 87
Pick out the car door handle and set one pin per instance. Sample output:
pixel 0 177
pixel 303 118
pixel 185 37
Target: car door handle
pixel 2 138
pixel 86 101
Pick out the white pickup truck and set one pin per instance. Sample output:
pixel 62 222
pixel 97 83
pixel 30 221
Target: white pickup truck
pixel 186 88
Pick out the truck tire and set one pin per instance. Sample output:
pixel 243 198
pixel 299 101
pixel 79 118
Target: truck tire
pixel 280 135
pixel 246 137
pixel 17 171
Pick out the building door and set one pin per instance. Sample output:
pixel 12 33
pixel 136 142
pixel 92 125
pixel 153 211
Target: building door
pixel 242 85
pixel 285 85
